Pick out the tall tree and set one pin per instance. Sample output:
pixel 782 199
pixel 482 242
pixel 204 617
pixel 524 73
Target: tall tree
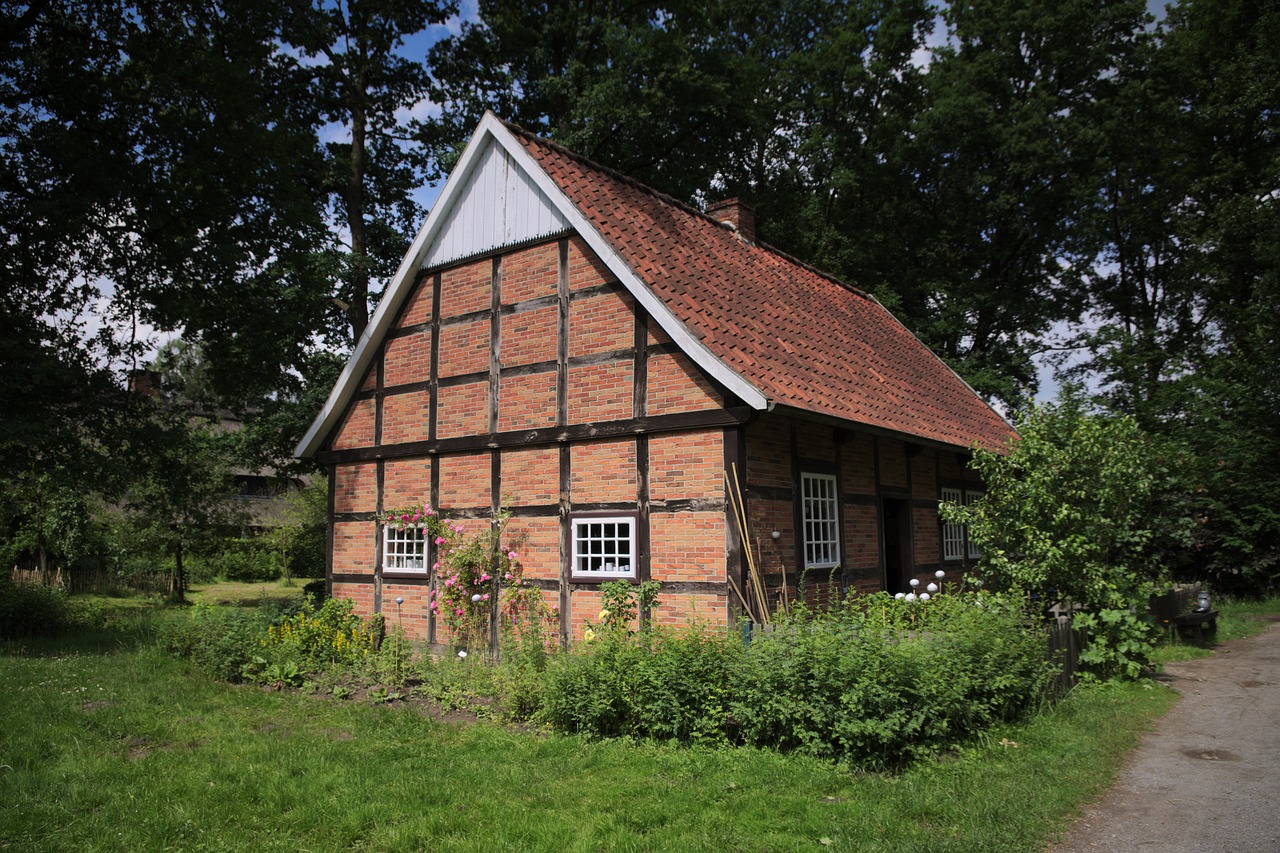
pixel 361 83
pixel 652 91
pixel 1185 303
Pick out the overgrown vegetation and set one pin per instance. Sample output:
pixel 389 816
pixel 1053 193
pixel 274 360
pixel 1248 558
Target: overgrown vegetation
pixel 1070 518
pixel 28 610
pixel 875 683
pixel 112 744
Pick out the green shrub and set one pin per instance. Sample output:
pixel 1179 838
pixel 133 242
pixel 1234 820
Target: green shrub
pixel 220 641
pixel 873 684
pixel 664 685
pixel 31 611
pixel 324 637
pixel 317 591
pixel 246 559
pixel 883 681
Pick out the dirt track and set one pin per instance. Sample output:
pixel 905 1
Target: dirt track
pixel 1208 778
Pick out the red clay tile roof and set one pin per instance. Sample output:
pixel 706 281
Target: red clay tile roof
pixel 802 338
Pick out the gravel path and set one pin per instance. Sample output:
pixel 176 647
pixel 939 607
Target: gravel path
pixel 1208 777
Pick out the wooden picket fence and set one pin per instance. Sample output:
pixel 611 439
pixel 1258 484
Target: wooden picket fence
pixel 95 581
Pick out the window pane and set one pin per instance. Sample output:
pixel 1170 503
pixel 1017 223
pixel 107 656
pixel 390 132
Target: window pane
pixel 821 520
pixel 603 546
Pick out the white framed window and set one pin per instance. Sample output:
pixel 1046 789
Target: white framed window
pixel 821 521
pixel 604 547
pixel 404 549
pixel 952 532
pixel 956 544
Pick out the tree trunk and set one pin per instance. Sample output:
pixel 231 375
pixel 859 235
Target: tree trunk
pixel 179 589
pixel 359 310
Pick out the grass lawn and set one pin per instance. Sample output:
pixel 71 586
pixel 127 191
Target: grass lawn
pixel 241 593
pixel 109 744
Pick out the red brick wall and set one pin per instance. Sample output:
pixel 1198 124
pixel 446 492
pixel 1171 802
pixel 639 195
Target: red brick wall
pixel 464 480
pixel 417 308
pixel 601 392
pixel 406 481
pixel 676 385
pixel 355 487
pixel 466 288
pixel 529 273
pixel 536 542
pixel 686 465
pixel 407 359
pixel 676 610
pixel 600 324
pixel 529 337
pixel 530 476
pixel 861 536
pixel 858 464
pixel 353 547
pixel 816 442
pixel 769 452
pixel 893 464
pixel 603 471
pixel 687 546
pixel 356 429
pixel 585 269
pixel 924 481
pixel 526 402
pixel 410 615
pixel 406 417
pixel 464 348
pixel 463 410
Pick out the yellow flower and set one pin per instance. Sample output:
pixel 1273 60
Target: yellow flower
pixel 588 635
pixel 604 614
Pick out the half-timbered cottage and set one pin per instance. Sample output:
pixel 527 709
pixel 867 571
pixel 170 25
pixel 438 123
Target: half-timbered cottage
pixel 592 356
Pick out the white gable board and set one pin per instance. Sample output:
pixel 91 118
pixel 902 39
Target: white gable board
pixel 498 206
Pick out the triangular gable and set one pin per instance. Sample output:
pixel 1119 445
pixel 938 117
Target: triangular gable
pixel 498 195
pixel 495 184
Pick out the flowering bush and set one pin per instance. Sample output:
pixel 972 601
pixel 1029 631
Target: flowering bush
pixel 330 635
pixel 470 572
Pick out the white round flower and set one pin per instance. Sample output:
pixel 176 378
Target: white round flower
pixel 911 596
pixel 900 596
pixel 915 582
pixel 939 574
pixel 933 587
pixel 475 599
pixel 924 596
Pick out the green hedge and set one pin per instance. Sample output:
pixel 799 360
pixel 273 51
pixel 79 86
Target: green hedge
pixel 873 684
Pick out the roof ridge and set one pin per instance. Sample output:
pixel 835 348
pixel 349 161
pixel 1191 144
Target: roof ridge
pixel 685 206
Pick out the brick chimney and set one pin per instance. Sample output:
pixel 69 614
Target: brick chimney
pixel 738 214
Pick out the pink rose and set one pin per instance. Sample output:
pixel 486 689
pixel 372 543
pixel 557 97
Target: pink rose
pixel 439 540
pixel 511 555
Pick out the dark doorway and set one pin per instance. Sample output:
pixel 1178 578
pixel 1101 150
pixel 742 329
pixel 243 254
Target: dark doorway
pixel 896 513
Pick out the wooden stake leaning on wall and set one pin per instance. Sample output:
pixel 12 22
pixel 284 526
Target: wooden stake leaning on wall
pixel 756 583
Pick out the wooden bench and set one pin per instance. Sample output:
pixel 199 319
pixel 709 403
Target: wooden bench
pixel 1196 623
